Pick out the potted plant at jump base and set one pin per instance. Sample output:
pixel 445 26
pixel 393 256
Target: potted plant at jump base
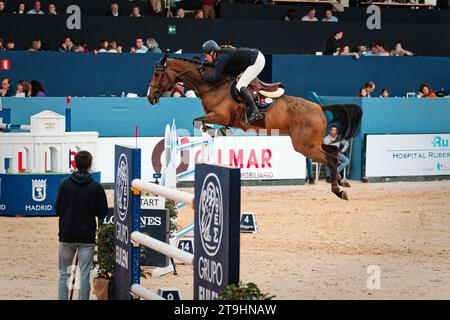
pixel 243 291
pixel 103 284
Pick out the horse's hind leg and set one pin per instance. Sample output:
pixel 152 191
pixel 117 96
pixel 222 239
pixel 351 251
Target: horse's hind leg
pixel 333 150
pixel 330 153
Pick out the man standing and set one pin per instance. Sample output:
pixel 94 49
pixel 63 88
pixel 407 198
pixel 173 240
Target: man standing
pixel 334 43
pixel 343 160
pixel 80 199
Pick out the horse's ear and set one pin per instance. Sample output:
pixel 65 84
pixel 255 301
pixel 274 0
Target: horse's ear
pixel 164 58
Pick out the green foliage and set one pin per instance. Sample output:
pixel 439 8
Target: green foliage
pixel 104 253
pixel 243 291
pixel 173 213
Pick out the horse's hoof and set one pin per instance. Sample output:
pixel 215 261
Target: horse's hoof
pixel 345 183
pixel 224 132
pixel 206 128
pixel 342 195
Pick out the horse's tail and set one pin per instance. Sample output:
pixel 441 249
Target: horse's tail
pixel 347 117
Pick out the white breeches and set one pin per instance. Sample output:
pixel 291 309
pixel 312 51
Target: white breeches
pixel 251 72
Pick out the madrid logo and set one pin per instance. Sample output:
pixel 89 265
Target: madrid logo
pixel 211 214
pixel 39 189
pixel 122 187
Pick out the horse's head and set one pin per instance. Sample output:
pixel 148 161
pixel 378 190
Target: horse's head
pixel 161 81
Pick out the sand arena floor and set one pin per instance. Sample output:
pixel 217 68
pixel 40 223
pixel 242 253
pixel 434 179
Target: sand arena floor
pixel 310 244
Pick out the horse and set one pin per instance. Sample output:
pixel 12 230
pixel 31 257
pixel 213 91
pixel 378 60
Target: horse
pixel 302 120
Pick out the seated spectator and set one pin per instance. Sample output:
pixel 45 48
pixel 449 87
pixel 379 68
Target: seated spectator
pixel 198 14
pixel 208 9
pixel 103 46
pixel 136 12
pixel 10 44
pixel 425 91
pixel 52 9
pixel 20 8
pixel 112 47
pixel 6 90
pixel 156 5
pixel 370 87
pixel 119 49
pixel 310 15
pixel 67 45
pixel 23 89
pixel 328 16
pixel 82 47
pixel 382 49
pixel 35 45
pixel 384 93
pixel 114 10
pixel 140 48
pixel 36 89
pixel 334 43
pixel 1 45
pixel 399 51
pixel 290 15
pixel 345 51
pixel 36 8
pixel 362 93
pixel 152 46
pixel 3 7
pixel 178 90
pixel 332 139
pixel 362 50
pixel 180 13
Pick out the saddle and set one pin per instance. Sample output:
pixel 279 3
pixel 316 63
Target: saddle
pixel 270 90
pixel 264 94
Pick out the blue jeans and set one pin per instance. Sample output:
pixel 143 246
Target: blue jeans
pixel 85 258
pixel 343 163
pixel 309 167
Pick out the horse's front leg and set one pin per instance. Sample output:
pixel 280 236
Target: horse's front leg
pixel 199 123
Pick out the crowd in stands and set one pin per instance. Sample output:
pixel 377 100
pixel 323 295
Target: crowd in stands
pixel 310 16
pixel 105 46
pixel 23 89
pixel 335 46
pixel 207 11
pixel 367 91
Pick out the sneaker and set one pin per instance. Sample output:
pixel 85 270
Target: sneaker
pixel 311 180
pixel 328 179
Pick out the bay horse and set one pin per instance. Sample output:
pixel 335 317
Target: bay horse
pixel 302 120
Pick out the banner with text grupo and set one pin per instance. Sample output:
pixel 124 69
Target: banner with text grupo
pixel 260 158
pixel 407 155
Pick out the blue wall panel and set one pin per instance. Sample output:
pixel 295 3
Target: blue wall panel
pixel 343 75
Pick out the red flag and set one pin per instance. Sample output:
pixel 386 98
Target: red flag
pixel 5 65
pixel 136 131
pixel 67 100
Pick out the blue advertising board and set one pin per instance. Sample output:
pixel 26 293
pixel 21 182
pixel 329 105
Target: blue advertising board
pixel 31 194
pixel 217 231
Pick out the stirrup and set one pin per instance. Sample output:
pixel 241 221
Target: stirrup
pixel 254 116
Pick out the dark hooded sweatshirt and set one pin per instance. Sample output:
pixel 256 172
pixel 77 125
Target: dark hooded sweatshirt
pixel 80 199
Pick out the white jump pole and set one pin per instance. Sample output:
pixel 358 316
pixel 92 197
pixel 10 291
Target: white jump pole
pixel 162 247
pixel 162 191
pixel 142 292
pixel 9 126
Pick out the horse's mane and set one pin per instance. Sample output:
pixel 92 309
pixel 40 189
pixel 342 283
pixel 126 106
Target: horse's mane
pixel 195 61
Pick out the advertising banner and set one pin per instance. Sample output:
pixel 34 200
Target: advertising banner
pixel 407 155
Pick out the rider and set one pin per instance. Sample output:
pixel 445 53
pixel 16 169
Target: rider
pixel 233 61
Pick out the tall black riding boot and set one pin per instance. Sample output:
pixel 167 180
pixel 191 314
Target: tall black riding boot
pixel 256 114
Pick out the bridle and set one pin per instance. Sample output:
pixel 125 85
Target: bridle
pixel 162 68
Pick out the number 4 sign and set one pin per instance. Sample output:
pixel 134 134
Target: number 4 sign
pixel 248 222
